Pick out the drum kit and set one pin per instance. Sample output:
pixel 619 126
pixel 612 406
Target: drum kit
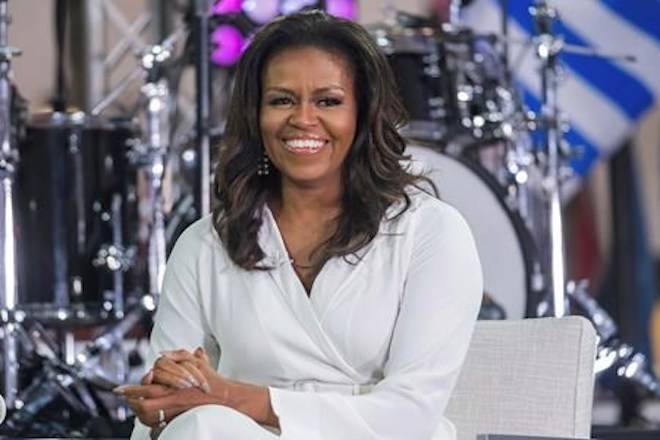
pixel 470 132
pixel 90 226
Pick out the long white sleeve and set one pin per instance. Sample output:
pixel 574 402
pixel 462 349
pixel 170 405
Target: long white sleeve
pixel 438 310
pixel 179 321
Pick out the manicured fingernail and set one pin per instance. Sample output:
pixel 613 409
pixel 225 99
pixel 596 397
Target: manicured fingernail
pixel 193 381
pixel 206 388
pixel 185 384
pixel 120 389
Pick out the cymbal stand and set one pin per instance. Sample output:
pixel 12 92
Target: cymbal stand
pixel 612 353
pixel 548 48
pixel 8 163
pixel 151 156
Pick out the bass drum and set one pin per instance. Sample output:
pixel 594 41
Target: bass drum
pixel 508 255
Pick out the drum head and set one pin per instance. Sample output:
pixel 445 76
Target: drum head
pixel 505 248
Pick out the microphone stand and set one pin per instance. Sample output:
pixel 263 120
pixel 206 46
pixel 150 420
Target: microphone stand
pixel 8 162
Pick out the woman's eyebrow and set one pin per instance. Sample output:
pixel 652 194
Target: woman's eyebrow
pixel 277 89
pixel 323 89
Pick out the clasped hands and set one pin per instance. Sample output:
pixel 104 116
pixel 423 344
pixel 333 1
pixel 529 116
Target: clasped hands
pixel 178 381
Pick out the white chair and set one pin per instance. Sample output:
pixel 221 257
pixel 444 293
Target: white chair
pixel 527 377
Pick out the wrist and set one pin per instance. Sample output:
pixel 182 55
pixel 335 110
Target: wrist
pixel 252 400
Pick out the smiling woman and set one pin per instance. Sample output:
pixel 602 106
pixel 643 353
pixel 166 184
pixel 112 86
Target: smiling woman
pixel 328 296
pixel 308 117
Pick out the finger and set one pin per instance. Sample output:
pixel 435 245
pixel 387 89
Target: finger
pixel 201 354
pixel 148 378
pixel 168 379
pixel 143 391
pixel 175 369
pixel 200 378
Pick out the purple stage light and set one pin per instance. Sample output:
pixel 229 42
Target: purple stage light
pixel 230 43
pixel 261 11
pixel 342 8
pixel 227 7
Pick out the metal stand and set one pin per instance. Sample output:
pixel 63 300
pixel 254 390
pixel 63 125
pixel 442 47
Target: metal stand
pixel 612 353
pixel 202 80
pixel 8 162
pixel 151 156
pixel 75 383
pixel 547 49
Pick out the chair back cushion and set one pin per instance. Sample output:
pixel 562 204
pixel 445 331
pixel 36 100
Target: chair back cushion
pixel 527 377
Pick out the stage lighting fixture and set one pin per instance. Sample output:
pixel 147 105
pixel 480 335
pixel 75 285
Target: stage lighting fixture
pixel 229 44
pixel 239 19
pixel 227 7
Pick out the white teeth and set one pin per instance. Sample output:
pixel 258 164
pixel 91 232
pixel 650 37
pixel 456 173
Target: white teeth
pixel 304 143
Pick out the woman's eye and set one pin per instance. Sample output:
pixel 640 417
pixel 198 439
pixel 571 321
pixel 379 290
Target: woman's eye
pixel 329 102
pixel 280 101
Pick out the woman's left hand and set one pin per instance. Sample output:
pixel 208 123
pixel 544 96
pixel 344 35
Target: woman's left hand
pixel 155 405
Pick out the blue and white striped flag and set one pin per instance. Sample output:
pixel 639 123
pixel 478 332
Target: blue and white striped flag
pixel 602 98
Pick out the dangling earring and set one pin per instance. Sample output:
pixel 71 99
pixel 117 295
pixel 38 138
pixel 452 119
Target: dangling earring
pixel 263 167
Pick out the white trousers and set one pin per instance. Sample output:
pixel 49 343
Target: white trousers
pixel 209 422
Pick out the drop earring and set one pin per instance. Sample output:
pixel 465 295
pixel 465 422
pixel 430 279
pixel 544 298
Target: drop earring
pixel 263 167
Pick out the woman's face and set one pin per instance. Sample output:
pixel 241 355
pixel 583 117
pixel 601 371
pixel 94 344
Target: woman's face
pixel 308 115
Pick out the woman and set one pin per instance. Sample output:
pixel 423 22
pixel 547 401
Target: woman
pixel 327 297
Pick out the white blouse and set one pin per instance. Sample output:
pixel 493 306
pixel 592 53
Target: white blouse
pixel 372 353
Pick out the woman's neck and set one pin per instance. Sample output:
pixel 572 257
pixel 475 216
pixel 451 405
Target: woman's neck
pixel 296 202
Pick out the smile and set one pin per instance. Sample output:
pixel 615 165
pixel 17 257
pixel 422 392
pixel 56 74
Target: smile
pixel 304 146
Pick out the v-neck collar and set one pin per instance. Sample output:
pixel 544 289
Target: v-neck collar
pixel 294 293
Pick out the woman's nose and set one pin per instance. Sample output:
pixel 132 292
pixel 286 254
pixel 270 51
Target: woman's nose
pixel 304 114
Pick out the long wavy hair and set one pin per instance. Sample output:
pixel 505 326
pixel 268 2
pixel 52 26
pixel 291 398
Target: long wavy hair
pixel 373 176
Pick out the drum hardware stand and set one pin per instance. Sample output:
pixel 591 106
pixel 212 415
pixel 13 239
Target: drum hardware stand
pixel 151 157
pixel 76 384
pixel 548 49
pixel 8 161
pixel 115 258
pixel 612 353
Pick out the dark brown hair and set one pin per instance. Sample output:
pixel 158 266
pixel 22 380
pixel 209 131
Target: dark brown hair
pixel 372 173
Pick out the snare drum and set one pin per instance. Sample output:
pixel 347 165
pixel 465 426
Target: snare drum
pixel 509 258
pixel 72 192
